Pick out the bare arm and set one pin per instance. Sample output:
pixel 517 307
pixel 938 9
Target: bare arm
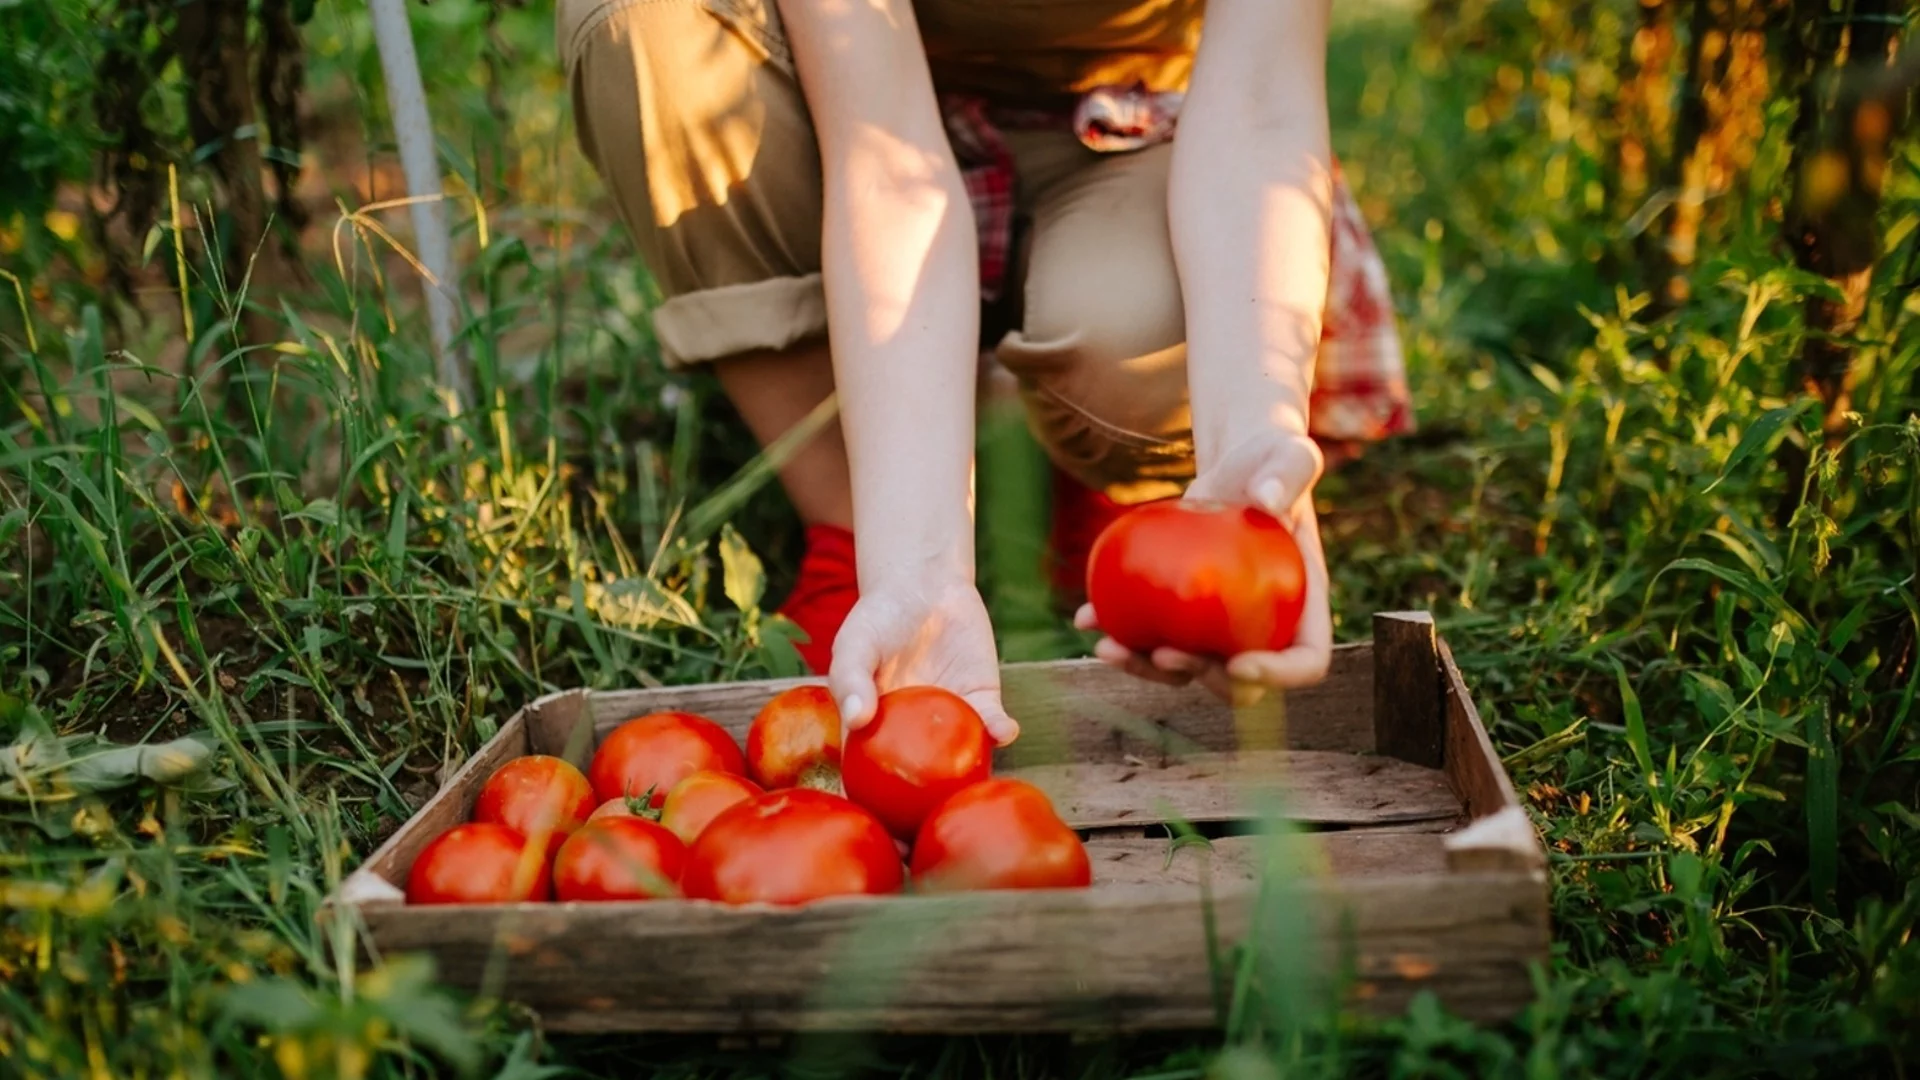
pixel 902 279
pixel 1249 201
pixel 1249 206
pixel 900 262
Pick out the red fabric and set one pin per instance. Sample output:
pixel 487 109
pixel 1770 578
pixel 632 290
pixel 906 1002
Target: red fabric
pixel 823 592
pixel 1079 515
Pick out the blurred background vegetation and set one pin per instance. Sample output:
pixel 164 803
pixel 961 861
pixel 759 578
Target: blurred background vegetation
pixel 1655 263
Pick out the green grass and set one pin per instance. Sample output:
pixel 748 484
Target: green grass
pixel 1706 708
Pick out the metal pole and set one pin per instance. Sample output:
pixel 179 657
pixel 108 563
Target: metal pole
pixel 413 131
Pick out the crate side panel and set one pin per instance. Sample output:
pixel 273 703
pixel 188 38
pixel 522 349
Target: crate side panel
pixel 1084 710
pixel 1472 764
pixel 1349 853
pixel 1008 961
pixel 1106 959
pixel 1307 785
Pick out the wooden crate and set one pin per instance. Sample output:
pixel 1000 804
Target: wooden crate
pixel 1437 880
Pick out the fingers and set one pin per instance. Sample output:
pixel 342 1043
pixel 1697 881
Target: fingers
pixel 1284 477
pixel 1083 618
pixel 1302 665
pixel 1002 727
pixel 1112 652
pixel 856 657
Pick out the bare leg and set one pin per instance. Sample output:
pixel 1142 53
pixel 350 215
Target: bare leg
pixel 773 391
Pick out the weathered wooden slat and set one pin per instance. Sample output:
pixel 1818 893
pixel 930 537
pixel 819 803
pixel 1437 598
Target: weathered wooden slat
pixel 1120 959
pixel 1501 835
pixel 1346 854
pixel 1312 786
pixel 1084 710
pixel 1407 717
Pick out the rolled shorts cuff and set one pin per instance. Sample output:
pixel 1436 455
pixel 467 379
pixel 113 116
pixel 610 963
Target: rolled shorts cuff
pixel 713 324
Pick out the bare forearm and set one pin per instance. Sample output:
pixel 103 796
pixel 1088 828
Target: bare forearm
pixel 902 281
pixel 1249 201
pixel 901 268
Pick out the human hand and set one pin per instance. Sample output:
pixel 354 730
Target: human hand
pixel 918 634
pixel 1275 470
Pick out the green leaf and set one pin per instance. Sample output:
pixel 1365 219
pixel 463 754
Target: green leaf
pixel 1758 435
pixel 278 1005
pixel 1842 633
pixel 11 523
pixel 397 530
pixel 324 511
pixel 1636 725
pixel 169 763
pixel 520 1063
pixel 1748 584
pixel 743 576
pixel 1823 808
pixel 778 639
pixel 424 1013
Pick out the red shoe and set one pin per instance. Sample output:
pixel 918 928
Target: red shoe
pixel 1079 516
pixel 823 593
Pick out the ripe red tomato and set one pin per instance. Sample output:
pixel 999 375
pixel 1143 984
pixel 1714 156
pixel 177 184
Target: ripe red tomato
pixel 479 863
pixel 542 798
pixel 795 741
pixel 1205 578
pixel 998 834
pixel 791 847
pixel 628 807
pixel 696 801
pixel 654 752
pixel 922 745
pixel 619 858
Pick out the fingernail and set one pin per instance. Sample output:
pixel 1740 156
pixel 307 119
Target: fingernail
pixel 852 708
pixel 1270 493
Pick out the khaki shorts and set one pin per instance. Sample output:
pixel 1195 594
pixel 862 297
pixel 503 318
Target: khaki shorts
pixel 690 112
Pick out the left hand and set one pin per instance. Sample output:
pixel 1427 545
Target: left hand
pixel 1275 470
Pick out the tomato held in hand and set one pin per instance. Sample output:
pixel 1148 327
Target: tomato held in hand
pixel 542 798
pixel 998 834
pixel 795 741
pixel 655 752
pixel 696 801
pixel 619 858
pixel 922 745
pixel 479 863
pixel 792 847
pixel 1205 578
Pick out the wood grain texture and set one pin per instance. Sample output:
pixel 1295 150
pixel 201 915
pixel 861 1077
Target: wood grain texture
pixel 1504 836
pixel 1083 710
pixel 1472 766
pixel 1310 786
pixel 1407 713
pixel 1131 958
pixel 1346 854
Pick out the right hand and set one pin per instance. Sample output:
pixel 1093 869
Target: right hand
pixel 907 633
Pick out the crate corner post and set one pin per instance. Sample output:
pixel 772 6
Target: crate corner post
pixel 1409 712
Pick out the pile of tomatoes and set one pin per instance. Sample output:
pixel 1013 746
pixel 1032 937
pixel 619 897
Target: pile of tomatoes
pixel 670 806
